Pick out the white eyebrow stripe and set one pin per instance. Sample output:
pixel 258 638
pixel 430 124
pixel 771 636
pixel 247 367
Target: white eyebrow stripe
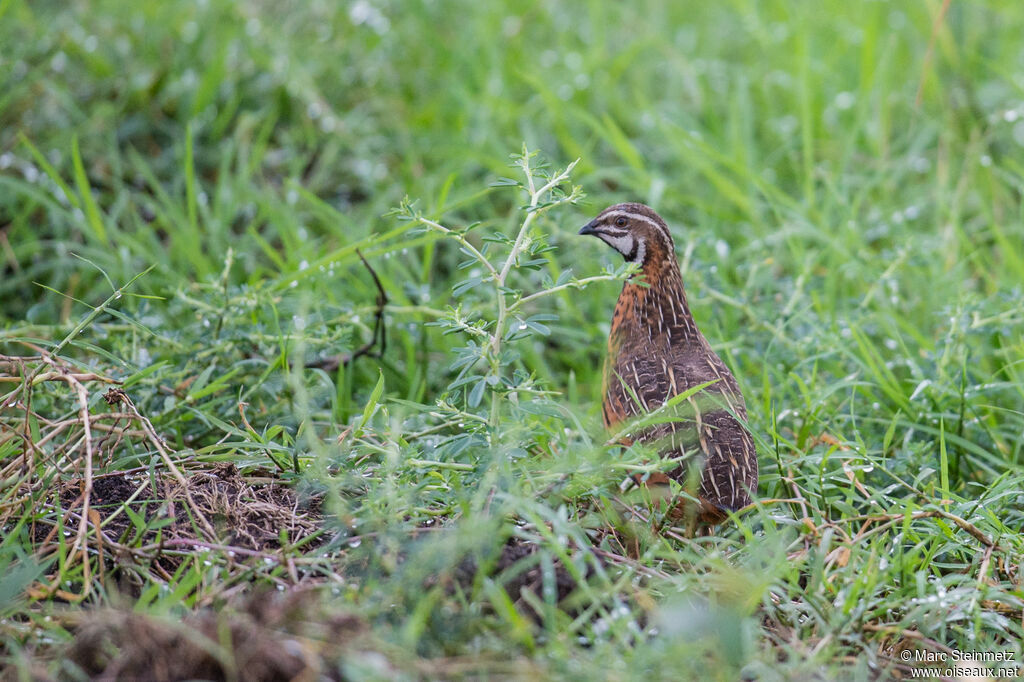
pixel 641 218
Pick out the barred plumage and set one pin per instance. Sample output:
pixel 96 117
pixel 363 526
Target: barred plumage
pixel 655 351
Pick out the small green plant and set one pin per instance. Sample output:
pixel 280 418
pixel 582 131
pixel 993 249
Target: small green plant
pixel 488 361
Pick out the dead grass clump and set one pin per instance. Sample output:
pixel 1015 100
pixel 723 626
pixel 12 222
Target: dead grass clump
pixel 259 637
pixel 59 443
pixel 256 517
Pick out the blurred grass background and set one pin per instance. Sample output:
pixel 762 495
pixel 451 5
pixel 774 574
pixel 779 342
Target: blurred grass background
pixel 844 184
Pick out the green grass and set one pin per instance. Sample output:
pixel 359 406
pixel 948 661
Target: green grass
pixel 856 257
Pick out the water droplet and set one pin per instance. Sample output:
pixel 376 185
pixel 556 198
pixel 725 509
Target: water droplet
pixel 845 100
pixel 59 62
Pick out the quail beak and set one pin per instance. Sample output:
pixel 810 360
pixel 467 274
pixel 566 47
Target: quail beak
pixel 589 228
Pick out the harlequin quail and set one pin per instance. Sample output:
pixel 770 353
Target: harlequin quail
pixel 655 352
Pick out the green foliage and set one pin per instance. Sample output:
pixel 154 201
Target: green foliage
pixel 846 203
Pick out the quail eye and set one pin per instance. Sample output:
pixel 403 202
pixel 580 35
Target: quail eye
pixel 620 222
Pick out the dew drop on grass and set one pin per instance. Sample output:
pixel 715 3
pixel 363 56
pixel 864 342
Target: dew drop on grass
pixel 844 100
pixel 59 62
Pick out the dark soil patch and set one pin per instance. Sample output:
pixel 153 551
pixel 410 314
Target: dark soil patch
pixel 109 492
pixel 242 514
pixel 518 571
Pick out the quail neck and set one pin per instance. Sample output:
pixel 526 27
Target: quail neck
pixel 653 301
